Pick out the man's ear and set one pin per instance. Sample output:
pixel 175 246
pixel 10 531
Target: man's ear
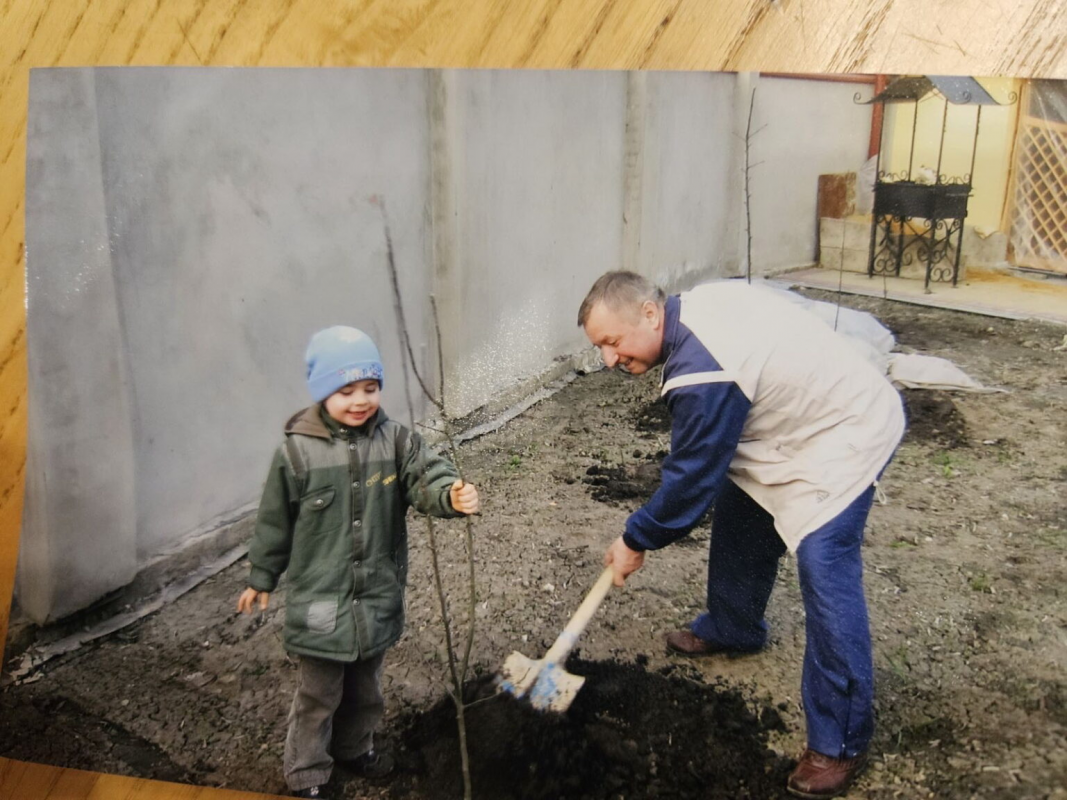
pixel 652 312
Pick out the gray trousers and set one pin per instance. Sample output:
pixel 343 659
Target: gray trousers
pixel 336 707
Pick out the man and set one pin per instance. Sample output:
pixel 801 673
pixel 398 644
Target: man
pixel 783 426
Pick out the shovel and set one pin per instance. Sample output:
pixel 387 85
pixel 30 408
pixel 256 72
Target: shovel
pixel 544 681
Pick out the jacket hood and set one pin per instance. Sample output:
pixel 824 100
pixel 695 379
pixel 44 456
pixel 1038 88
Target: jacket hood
pixel 310 422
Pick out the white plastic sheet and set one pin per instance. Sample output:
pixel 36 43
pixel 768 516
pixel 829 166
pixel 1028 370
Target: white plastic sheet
pixel 875 342
pixel 914 371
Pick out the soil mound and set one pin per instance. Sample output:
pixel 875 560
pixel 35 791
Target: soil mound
pixel 627 485
pixel 933 418
pixel 630 733
pixel 653 417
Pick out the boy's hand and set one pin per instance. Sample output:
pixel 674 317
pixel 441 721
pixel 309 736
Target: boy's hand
pixel 464 497
pixel 248 599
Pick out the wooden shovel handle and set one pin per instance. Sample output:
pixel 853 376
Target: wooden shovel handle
pixel 569 637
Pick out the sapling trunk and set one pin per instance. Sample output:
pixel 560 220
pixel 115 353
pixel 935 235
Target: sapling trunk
pixel 748 195
pixel 457 672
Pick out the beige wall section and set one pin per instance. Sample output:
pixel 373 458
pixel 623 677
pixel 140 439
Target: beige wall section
pixel 996 136
pixel 1000 37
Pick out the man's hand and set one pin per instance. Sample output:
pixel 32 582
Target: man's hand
pixel 624 560
pixel 248 599
pixel 464 497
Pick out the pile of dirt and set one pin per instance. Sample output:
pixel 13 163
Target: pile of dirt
pixel 653 417
pixel 628 485
pixel 933 418
pixel 630 732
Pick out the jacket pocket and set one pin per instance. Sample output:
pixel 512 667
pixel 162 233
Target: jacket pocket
pixel 316 614
pixel 320 511
pixel 322 616
pixel 315 622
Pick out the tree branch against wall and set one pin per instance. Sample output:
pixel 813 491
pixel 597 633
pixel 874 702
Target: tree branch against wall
pixel 458 664
pixel 749 136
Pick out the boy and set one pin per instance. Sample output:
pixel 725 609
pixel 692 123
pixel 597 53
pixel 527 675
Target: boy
pixel 332 514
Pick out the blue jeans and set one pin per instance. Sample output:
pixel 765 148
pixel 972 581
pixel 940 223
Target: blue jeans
pixel 838 680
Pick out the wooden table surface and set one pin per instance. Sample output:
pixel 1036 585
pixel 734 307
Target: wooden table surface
pixel 1023 38
pixel 22 781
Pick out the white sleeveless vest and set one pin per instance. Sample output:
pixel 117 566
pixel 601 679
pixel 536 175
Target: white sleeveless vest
pixel 823 421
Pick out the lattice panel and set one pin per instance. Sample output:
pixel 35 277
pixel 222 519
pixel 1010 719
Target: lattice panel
pixel 1039 217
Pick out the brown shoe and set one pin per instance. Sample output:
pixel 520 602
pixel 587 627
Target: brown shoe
pixel 819 776
pixel 689 644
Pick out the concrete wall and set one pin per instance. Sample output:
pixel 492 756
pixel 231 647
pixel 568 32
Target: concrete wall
pixel 187 230
pixel 684 197
pixel 811 128
pixel 79 518
pixel 536 174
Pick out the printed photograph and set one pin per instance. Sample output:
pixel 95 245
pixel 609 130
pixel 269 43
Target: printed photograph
pixel 409 433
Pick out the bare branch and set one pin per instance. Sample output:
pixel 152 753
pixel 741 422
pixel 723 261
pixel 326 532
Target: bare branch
pixel 458 673
pixel 405 337
pixel 440 354
pixel 748 194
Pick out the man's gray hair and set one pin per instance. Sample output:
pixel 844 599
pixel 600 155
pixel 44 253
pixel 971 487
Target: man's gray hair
pixel 620 291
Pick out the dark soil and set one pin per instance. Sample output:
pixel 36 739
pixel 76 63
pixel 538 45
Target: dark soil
pixel 934 418
pixel 628 485
pixel 59 730
pixel 630 733
pixel 653 417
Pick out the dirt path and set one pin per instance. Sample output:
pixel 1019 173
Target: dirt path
pixel 965 574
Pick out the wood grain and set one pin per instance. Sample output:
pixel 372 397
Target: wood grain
pixel 1016 37
pixel 19 779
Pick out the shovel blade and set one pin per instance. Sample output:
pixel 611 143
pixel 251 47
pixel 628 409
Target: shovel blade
pixel 554 689
pixel 518 674
pixel 548 687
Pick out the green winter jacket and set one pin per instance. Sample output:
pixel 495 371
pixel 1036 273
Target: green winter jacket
pixel 333 515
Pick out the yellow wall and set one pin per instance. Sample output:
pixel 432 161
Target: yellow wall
pixel 992 161
pixel 1001 37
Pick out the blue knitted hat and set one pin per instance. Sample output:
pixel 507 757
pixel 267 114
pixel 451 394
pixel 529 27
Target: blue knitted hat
pixel 338 356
